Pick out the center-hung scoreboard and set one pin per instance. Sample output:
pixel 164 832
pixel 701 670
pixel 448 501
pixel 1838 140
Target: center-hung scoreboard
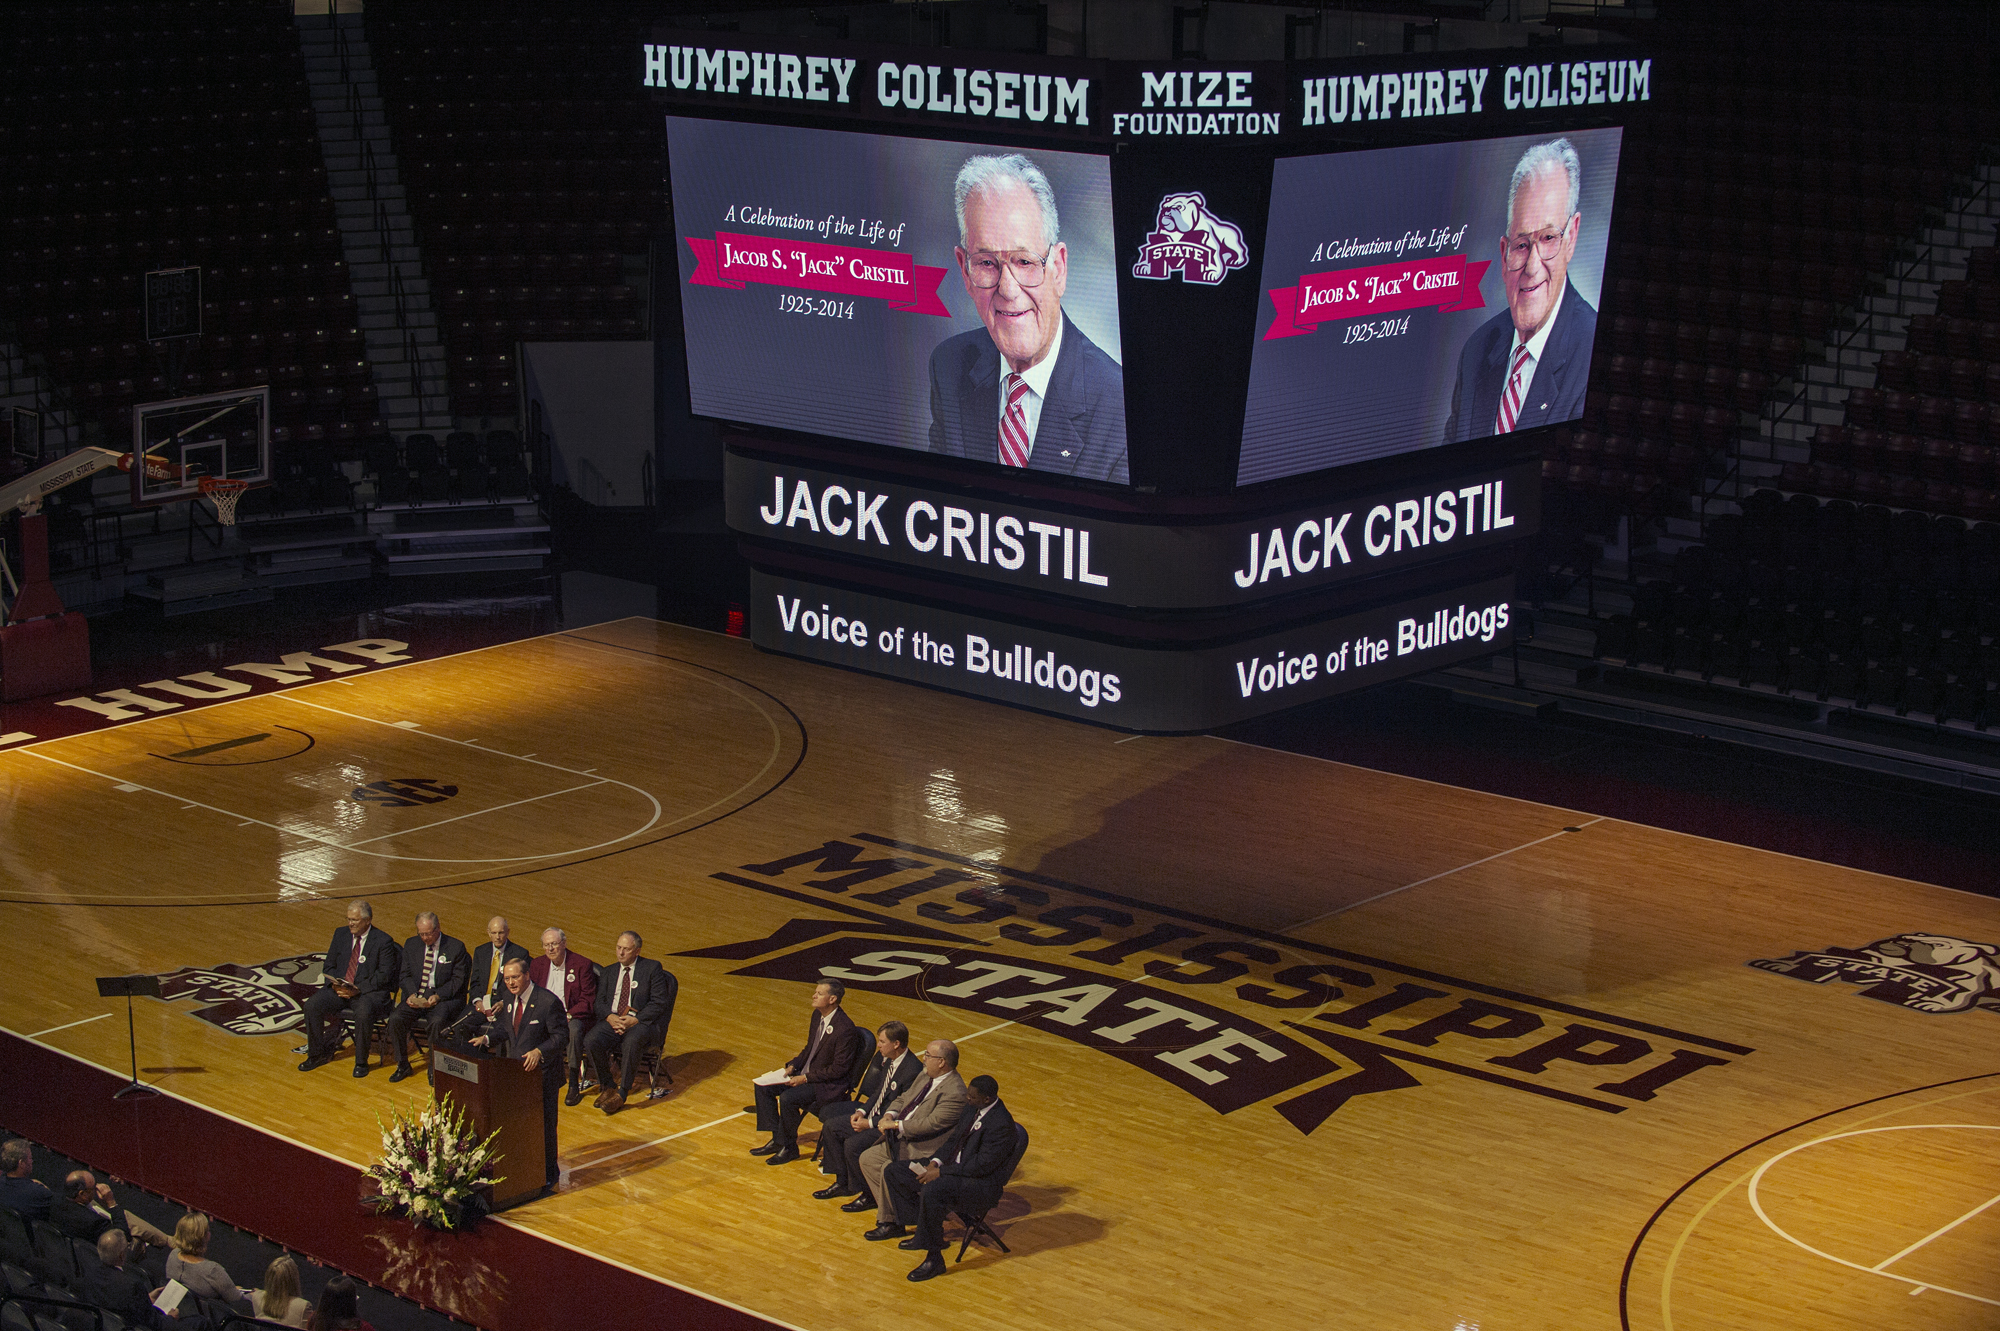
pixel 1283 336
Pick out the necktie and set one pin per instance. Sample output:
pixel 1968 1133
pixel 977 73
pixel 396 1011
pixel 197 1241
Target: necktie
pixel 819 1028
pixel 430 966
pixel 353 960
pixel 1510 401
pixel 493 976
pixel 1014 443
pixel 624 992
pixel 520 1009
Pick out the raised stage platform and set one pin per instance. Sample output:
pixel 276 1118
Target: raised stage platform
pixel 1300 1044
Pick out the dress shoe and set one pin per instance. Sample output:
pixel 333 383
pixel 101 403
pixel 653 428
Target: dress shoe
pixel 886 1230
pixel 768 1148
pixel 832 1191
pixel 932 1265
pixel 360 1069
pixel 401 1073
pixel 600 1098
pixel 784 1157
pixel 311 1061
pixel 573 1096
pixel 913 1244
pixel 613 1102
pixel 749 1109
pixel 862 1203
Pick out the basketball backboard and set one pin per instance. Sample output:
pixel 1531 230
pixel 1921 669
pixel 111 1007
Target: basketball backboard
pixel 226 435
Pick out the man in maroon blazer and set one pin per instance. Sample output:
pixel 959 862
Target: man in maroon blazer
pixel 572 978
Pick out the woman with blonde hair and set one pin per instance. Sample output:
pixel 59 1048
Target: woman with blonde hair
pixel 279 1300
pixel 188 1263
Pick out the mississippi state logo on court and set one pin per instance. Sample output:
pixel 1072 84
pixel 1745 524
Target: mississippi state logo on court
pixel 1190 240
pixel 1923 972
pixel 265 999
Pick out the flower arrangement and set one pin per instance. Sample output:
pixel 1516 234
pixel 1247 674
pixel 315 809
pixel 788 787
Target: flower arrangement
pixel 431 1164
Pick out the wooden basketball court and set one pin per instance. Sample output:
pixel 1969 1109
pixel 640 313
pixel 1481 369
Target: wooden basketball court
pixel 1299 1044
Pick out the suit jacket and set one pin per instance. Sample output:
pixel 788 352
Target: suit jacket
pixel 28 1197
pixel 579 982
pixel 381 959
pixel 881 1085
pixel 448 978
pixel 1082 427
pixel 482 963
pixel 544 1026
pixel 830 1072
pixel 1555 395
pixel 982 1152
pixel 126 1291
pixel 79 1222
pixel 649 991
pixel 930 1127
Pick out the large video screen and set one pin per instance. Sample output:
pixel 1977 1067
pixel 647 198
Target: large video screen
pixel 949 297
pixel 1426 295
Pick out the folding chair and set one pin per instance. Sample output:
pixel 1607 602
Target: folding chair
pixel 975 1224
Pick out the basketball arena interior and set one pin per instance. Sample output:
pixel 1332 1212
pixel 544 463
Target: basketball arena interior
pixel 1020 663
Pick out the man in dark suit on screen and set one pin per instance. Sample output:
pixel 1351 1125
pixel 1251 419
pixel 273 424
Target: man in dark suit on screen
pixel 849 1126
pixel 1028 389
pixel 360 975
pixel 1529 365
pixel 819 1074
pixel 529 1024
pixel 435 967
pixel 967 1174
pixel 632 999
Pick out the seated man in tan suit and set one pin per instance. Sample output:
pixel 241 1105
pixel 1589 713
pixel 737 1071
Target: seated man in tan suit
pixel 917 1124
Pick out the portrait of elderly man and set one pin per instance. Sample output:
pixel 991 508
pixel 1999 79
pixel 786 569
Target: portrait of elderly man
pixel 1027 388
pixel 1528 365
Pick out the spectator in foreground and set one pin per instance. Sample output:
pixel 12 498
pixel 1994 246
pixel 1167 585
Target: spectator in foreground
pixel 127 1292
pixel 188 1263
pixel 339 1308
pixel 279 1300
pixel 19 1190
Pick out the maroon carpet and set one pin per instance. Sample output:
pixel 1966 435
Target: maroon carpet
pixel 494 1276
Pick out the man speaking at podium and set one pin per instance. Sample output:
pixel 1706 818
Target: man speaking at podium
pixel 1028 389
pixel 529 1024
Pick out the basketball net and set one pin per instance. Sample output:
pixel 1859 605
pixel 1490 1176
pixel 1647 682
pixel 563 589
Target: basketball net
pixel 223 493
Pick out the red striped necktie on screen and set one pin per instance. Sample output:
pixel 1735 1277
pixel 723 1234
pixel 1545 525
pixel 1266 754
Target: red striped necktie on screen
pixel 1510 401
pixel 1014 425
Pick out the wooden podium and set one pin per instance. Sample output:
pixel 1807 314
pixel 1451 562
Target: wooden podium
pixel 498 1094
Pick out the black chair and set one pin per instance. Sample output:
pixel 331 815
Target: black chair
pixel 17 1245
pixel 975 1222
pixel 53 1253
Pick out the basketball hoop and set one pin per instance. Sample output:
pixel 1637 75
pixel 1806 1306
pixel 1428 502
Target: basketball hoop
pixel 223 493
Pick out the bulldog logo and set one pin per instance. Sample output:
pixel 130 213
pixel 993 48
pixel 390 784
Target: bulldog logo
pixel 266 999
pixel 1924 972
pixel 1190 240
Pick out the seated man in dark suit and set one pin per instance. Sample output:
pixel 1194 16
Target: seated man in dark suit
pixel 126 1291
pixel 20 1191
pixel 631 1004
pixel 1529 364
pixel 435 967
pixel 967 1174
pixel 531 1026
pixel 820 1073
pixel 360 975
pixel 849 1125
pixel 485 990
pixel 1028 389
pixel 87 1209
